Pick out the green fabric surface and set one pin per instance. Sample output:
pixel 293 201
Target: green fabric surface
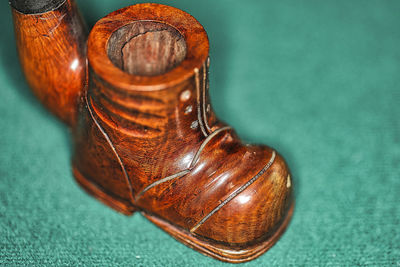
pixel 317 80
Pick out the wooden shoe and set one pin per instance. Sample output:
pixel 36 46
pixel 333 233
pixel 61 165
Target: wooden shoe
pixel 146 139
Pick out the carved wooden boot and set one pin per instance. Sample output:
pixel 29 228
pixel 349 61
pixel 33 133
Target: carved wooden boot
pixel 145 135
pixel 148 140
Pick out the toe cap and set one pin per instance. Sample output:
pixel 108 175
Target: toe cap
pixel 256 211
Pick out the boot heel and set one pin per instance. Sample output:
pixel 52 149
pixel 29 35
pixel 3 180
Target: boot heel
pixel 113 202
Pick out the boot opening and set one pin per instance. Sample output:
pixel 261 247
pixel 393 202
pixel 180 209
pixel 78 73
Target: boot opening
pixel 146 48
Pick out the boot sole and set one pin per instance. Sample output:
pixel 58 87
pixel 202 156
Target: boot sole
pixel 206 247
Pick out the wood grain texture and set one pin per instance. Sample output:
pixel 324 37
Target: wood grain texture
pixel 145 135
pixel 52 52
pixel 151 141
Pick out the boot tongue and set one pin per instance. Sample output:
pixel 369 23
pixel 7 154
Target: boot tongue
pixel 35 6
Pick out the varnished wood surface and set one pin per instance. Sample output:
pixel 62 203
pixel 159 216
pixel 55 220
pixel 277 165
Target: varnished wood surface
pixel 146 137
pixel 52 52
pixel 171 157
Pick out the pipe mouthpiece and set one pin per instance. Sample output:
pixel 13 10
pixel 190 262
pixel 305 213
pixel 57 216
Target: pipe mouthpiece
pixel 35 6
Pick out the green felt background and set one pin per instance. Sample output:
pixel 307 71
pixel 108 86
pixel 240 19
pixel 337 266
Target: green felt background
pixel 317 80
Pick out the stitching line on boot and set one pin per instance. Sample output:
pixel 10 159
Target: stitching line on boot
pixel 204 97
pixel 235 193
pixel 184 172
pixel 111 145
pixel 176 175
pixel 196 71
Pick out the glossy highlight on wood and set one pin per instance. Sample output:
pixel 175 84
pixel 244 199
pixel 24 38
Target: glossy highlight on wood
pixel 147 139
pixel 52 52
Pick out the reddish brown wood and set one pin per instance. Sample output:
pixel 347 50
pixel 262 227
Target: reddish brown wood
pixel 52 52
pixel 147 139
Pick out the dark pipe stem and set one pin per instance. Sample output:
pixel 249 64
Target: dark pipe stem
pixel 35 6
